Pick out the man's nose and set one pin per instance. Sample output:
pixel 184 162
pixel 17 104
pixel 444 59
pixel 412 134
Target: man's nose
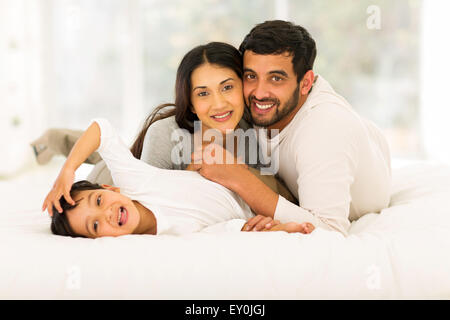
pixel 261 91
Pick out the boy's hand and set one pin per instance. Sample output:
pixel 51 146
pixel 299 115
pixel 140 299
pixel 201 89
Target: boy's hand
pixel 61 187
pixel 260 223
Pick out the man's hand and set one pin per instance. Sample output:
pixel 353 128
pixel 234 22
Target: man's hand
pixel 292 227
pixel 217 164
pixel 260 223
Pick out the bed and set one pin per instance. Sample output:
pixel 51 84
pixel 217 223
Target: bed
pixel 401 253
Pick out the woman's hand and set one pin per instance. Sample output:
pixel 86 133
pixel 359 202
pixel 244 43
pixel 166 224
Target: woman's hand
pixel 61 187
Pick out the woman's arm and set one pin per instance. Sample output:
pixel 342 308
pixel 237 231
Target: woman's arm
pixel 83 148
pixel 163 144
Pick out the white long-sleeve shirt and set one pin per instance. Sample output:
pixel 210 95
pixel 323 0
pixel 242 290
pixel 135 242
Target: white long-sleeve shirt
pixel 182 201
pixel 335 162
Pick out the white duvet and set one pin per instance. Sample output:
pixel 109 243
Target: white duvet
pixel 401 253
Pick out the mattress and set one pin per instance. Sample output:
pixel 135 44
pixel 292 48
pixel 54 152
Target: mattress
pixel 401 253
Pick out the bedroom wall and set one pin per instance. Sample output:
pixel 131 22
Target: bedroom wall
pixel 63 62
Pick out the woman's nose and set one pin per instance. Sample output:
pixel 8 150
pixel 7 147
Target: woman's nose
pixel 219 102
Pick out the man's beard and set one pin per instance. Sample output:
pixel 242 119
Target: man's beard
pixel 280 113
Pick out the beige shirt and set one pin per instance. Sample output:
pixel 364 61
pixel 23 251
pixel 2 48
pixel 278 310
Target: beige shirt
pixel 335 162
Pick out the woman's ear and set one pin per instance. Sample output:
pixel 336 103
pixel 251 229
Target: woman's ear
pixel 112 188
pixel 191 107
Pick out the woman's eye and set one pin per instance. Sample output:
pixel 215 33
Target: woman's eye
pixel 95 226
pixel 202 94
pixel 99 199
pixel 228 87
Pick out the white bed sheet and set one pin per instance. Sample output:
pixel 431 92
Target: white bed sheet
pixel 401 253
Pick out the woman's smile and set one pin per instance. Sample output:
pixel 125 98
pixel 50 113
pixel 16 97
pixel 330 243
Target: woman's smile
pixel 222 117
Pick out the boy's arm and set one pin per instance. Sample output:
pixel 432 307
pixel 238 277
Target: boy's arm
pixel 83 148
pixel 87 144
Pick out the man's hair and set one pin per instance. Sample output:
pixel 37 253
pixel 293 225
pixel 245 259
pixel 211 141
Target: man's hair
pixel 277 37
pixel 60 224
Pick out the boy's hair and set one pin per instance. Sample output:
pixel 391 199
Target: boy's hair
pixel 60 224
pixel 277 37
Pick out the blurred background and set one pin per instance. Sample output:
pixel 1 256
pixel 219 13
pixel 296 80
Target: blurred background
pixel 64 62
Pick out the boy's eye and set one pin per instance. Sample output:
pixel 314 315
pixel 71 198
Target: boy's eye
pixel 95 226
pixel 99 198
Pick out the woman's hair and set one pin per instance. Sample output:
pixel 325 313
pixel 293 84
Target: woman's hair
pixel 60 224
pixel 217 53
pixel 277 37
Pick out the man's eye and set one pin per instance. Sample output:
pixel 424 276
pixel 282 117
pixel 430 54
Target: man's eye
pixel 99 199
pixel 250 76
pixel 95 226
pixel 276 79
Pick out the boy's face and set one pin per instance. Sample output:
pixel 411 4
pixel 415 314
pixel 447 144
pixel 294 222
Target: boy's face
pixel 103 212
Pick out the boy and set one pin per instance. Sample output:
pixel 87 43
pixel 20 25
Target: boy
pixel 146 199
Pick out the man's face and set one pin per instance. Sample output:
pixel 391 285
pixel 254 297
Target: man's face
pixel 271 90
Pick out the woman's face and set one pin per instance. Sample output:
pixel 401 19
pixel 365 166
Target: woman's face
pixel 217 97
pixel 103 212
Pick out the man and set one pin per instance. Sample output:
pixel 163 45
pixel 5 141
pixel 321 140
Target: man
pixel 336 163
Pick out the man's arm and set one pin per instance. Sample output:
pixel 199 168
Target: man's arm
pixel 324 159
pixel 260 198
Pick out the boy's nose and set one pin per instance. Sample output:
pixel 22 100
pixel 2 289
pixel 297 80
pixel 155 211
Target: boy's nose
pixel 109 215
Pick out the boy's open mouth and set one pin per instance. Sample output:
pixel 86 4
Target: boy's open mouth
pixel 123 216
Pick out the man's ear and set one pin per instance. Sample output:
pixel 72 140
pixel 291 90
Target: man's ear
pixel 112 188
pixel 307 82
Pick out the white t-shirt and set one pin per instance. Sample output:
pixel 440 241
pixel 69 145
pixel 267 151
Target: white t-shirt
pixel 182 201
pixel 335 162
